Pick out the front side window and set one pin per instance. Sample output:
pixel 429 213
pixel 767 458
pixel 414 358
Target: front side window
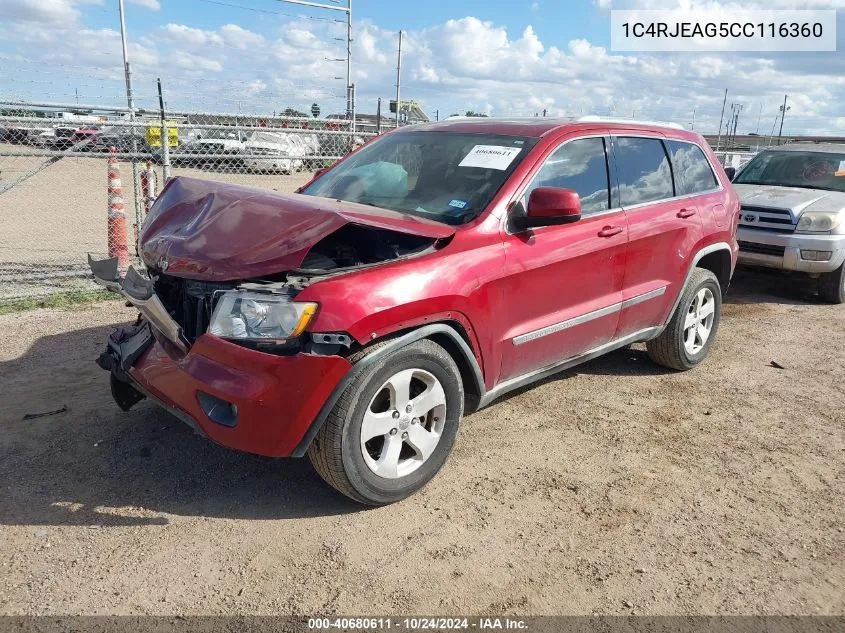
pixel 449 177
pixel 692 170
pixel 811 170
pixel 644 172
pixel 580 165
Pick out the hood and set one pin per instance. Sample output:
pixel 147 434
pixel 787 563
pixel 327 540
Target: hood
pixel 795 199
pixel 201 229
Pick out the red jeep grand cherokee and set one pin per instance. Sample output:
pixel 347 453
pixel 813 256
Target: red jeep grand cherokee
pixel 426 274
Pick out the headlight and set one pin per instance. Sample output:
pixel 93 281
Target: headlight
pixel 259 316
pixel 817 222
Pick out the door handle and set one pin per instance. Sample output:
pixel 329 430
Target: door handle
pixel 610 231
pixel 686 213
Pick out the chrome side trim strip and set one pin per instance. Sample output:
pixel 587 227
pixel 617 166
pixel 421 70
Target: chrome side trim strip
pixel 651 294
pixel 563 325
pixel 538 374
pixel 589 316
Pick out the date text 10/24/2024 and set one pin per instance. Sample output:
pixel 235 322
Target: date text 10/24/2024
pixel 418 624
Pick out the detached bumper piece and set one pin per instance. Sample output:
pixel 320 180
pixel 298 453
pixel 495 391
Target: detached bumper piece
pixel 139 291
pixel 124 347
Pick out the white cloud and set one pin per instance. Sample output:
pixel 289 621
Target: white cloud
pixel 456 65
pixel 186 35
pixel 535 6
pixel 153 5
pixel 58 11
pixel 240 38
pixel 190 61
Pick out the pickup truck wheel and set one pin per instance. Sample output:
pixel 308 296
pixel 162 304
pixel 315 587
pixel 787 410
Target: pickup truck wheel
pixel 832 286
pixel 687 339
pixel 393 427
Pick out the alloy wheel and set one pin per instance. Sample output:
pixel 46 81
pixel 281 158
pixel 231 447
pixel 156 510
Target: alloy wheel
pixel 699 321
pixel 403 423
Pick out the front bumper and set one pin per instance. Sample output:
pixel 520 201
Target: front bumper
pixel 269 401
pixel 792 245
pixel 276 398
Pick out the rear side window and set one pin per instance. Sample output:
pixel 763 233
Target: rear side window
pixel 644 173
pixel 580 165
pixel 692 170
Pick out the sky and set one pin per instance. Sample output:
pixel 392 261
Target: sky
pixel 500 57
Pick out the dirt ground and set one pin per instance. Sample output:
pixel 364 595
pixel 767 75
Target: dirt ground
pixel 617 487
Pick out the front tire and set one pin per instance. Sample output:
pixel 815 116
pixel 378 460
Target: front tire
pixel 393 427
pixel 832 286
pixel 687 339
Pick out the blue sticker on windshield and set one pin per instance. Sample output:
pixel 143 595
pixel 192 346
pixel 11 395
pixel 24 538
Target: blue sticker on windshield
pixel 458 204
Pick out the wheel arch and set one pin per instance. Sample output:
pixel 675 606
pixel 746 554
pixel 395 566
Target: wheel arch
pixel 716 251
pixel 718 262
pixel 448 334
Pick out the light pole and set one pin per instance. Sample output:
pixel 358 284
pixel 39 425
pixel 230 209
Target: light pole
pixel 350 106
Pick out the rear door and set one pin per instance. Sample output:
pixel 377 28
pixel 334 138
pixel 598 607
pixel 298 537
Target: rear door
pixel 564 282
pixel 664 228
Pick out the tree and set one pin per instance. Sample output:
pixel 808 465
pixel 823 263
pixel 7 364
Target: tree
pixel 293 112
pixel 475 114
pixel 315 110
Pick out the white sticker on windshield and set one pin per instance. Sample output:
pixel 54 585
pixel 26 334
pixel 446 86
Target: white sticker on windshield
pixel 490 157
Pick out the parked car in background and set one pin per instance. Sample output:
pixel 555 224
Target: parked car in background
pixel 433 270
pixel 212 148
pixel 272 151
pixel 793 213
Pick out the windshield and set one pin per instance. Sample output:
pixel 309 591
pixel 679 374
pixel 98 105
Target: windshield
pixel 445 176
pixel 811 170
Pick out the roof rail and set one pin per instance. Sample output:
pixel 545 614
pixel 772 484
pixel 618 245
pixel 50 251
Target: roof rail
pixel 608 119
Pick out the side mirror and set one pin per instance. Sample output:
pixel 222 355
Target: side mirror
pixel 731 172
pixel 550 205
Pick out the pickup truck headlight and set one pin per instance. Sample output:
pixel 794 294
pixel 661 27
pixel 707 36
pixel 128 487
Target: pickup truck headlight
pixel 818 222
pixel 244 315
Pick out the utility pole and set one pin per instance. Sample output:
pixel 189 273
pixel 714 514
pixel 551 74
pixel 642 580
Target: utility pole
pixel 398 77
pixel 165 136
pixel 378 117
pixel 724 102
pixel 692 125
pixel 350 106
pixel 130 100
pixel 783 110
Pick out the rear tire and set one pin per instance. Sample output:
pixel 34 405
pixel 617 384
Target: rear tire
pixel 393 427
pixel 832 286
pixel 687 339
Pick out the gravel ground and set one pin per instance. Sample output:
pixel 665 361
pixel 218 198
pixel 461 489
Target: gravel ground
pixel 614 488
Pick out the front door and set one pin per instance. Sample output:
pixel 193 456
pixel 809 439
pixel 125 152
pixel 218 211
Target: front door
pixel 563 284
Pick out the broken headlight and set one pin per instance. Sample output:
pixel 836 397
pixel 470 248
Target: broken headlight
pixel 259 316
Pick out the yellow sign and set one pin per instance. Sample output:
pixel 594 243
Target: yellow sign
pixel 154 135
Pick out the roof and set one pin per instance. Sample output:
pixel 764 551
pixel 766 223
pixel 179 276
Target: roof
pixel 535 126
pixel 807 147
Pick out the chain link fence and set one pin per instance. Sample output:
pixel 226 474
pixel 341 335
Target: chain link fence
pixel 59 197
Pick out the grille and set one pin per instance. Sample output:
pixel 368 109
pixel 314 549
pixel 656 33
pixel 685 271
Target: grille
pixel 189 302
pixel 762 249
pixel 777 220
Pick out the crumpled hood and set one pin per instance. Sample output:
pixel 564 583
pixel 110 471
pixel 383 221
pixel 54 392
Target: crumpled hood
pixel 796 199
pixel 202 229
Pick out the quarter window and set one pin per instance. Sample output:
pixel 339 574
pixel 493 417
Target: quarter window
pixel 692 170
pixel 644 173
pixel 580 165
